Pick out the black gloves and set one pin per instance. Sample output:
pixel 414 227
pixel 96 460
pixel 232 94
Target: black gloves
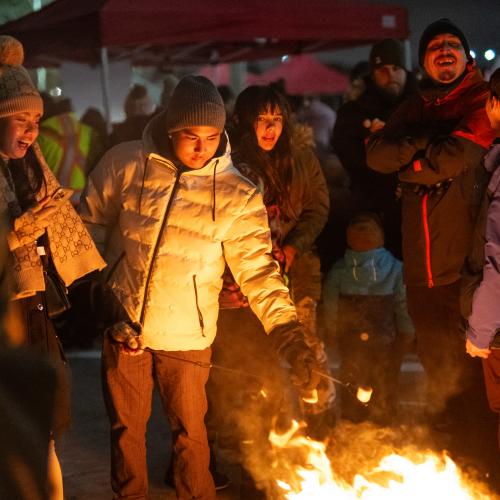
pixel 288 340
pixel 128 336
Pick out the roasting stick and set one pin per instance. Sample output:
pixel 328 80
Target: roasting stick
pixel 363 393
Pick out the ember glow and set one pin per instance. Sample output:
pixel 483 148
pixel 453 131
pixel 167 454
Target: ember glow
pixel 424 475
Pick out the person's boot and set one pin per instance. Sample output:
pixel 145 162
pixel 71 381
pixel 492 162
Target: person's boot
pixel 221 481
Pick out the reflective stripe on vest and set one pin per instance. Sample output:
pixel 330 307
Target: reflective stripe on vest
pixel 65 144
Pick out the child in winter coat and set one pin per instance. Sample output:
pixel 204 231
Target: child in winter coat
pixel 365 307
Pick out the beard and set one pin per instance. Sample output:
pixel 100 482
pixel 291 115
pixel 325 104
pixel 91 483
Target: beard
pixel 447 75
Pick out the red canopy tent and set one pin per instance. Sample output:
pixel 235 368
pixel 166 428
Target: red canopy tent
pixel 220 74
pixel 304 74
pixel 197 31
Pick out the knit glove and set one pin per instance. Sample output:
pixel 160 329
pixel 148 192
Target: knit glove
pixel 288 340
pixel 128 336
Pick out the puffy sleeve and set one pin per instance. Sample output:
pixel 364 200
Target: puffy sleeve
pixel 247 250
pixel 485 317
pixel 100 201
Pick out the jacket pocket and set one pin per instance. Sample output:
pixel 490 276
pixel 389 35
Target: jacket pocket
pixel 198 310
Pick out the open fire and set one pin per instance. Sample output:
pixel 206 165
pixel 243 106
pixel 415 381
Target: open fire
pixel 304 472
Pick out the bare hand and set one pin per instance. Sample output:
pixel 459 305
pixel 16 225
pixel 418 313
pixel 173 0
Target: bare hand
pixel 290 253
pixel 474 351
pixel 44 210
pixel 373 125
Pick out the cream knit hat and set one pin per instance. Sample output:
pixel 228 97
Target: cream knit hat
pixel 17 92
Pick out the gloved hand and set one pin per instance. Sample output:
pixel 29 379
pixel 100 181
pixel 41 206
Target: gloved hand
pixel 288 340
pixel 128 336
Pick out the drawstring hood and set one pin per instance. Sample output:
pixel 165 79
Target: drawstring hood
pixel 370 266
pixel 214 190
pixel 373 268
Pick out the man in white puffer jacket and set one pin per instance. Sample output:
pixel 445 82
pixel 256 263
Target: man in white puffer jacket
pixel 167 213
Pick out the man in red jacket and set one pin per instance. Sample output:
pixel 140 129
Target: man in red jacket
pixel 436 141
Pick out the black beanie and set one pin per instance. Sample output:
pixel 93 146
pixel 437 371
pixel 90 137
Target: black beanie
pixel 195 102
pixel 388 51
pixel 439 27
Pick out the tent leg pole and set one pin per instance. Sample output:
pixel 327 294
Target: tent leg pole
pixel 105 86
pixel 407 49
pixel 237 76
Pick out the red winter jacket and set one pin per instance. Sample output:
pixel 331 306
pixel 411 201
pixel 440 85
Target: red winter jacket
pixel 436 141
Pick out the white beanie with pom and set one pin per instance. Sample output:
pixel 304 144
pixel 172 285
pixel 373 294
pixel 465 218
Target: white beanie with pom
pixel 17 92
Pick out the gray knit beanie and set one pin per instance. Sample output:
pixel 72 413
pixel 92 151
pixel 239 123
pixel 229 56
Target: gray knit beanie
pixel 17 92
pixel 195 103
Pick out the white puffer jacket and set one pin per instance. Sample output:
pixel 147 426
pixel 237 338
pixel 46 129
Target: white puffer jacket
pixel 166 236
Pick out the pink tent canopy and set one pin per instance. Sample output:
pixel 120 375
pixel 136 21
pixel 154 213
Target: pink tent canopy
pixel 218 73
pixel 304 74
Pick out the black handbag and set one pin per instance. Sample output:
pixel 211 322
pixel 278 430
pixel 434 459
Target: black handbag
pixel 56 293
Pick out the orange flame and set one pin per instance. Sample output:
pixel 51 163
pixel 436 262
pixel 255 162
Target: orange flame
pixel 396 477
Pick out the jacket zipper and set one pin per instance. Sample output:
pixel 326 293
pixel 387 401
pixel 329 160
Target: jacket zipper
pixel 115 265
pixel 430 280
pixel 157 247
pixel 200 316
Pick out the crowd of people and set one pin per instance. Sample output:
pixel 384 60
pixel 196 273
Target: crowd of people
pixel 208 232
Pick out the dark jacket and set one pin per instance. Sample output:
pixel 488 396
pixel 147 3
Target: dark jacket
pixel 436 141
pixel 484 320
pixel 310 201
pixel 349 135
pixel 129 130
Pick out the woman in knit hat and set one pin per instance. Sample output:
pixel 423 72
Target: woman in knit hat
pixel 49 246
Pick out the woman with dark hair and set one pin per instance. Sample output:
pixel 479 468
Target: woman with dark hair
pixel 280 161
pixel 49 247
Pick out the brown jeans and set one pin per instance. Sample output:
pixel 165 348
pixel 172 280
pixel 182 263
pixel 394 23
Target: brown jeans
pixel 128 383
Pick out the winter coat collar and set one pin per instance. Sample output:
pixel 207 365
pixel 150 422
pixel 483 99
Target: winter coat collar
pixel 373 265
pixel 442 93
pixel 158 146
